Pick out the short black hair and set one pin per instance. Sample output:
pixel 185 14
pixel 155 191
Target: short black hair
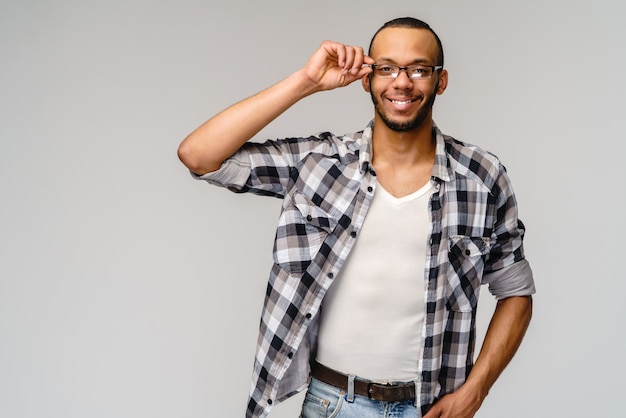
pixel 411 22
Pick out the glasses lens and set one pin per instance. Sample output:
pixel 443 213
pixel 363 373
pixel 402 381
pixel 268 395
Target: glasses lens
pixel 386 71
pixel 420 71
pixel 392 71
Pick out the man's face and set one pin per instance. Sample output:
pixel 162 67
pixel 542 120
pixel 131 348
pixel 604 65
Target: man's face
pixel 403 104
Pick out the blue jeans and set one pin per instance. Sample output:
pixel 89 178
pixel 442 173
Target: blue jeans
pixel 325 401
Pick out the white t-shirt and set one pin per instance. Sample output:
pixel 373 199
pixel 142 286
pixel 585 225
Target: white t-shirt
pixel 372 315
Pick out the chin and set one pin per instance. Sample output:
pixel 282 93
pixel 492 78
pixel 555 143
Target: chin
pixel 405 125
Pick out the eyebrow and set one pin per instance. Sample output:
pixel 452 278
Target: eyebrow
pixel 415 61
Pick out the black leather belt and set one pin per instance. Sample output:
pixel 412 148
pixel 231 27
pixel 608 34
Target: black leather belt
pixel 376 391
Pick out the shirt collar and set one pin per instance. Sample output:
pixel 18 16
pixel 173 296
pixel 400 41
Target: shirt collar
pixel 365 147
pixel 441 170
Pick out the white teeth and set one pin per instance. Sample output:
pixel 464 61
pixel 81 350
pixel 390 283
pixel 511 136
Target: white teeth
pixel 401 102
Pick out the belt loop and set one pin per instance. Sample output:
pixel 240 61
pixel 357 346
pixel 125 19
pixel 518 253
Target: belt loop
pixel 416 381
pixel 350 397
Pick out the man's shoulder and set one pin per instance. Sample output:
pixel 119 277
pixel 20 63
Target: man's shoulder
pixel 330 143
pixel 324 143
pixel 470 160
pixel 351 139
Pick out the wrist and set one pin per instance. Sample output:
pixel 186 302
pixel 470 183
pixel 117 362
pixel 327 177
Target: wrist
pixel 475 389
pixel 303 84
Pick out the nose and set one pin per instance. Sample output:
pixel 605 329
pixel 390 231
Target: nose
pixel 403 79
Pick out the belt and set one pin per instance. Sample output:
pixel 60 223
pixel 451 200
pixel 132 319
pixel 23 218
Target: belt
pixel 376 391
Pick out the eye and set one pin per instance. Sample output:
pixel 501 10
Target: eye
pixel 420 71
pixel 385 69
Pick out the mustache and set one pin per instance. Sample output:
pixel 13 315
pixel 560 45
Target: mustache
pixel 401 94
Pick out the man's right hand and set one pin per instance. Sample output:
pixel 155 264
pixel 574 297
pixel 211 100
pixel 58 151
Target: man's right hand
pixel 337 65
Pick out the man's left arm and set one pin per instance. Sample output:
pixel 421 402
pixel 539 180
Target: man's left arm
pixel 504 335
pixel 510 280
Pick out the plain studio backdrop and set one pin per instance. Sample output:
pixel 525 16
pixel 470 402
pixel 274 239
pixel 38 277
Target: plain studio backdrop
pixel 127 289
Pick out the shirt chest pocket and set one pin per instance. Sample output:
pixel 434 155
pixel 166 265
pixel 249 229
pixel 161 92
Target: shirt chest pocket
pixel 302 228
pixel 466 256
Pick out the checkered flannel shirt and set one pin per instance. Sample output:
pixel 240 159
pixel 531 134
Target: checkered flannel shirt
pixel 327 183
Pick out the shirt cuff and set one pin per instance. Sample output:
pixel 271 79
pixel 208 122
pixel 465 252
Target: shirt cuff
pixel 514 280
pixel 233 173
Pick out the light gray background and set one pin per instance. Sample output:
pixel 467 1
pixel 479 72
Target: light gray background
pixel 129 290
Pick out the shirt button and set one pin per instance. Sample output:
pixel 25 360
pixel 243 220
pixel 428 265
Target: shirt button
pixel 269 402
pixel 290 355
pixel 309 218
pixel 330 275
pixel 467 252
pixel 308 316
pixel 353 234
pixel 370 189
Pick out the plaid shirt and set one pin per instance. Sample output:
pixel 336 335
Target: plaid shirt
pixel 327 183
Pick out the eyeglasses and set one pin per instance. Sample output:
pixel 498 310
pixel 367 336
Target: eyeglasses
pixel 418 71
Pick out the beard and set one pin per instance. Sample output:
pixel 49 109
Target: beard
pixel 411 124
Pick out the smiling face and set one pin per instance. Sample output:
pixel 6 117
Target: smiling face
pixel 404 104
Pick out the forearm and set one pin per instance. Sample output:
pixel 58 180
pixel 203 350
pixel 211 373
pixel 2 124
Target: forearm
pixel 332 65
pixel 504 335
pixel 206 148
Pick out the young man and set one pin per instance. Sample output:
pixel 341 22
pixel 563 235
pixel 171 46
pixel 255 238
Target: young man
pixel 384 239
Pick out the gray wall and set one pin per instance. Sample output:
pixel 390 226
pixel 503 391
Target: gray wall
pixel 129 290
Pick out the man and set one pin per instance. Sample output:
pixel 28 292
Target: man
pixel 384 239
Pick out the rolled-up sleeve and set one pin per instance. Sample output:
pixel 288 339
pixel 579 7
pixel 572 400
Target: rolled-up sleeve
pixel 266 168
pixel 507 272
pixel 514 280
pixel 233 173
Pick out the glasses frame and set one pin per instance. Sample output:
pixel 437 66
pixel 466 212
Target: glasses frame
pixel 393 76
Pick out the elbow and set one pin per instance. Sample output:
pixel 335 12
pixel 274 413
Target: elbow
pixel 529 307
pixel 521 306
pixel 186 155
pixel 526 308
pixel 194 159
pixel 527 311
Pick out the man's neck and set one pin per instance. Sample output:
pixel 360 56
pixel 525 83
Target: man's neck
pixel 405 148
pixel 403 160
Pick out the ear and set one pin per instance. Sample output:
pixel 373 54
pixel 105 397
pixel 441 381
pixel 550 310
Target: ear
pixel 365 82
pixel 443 81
